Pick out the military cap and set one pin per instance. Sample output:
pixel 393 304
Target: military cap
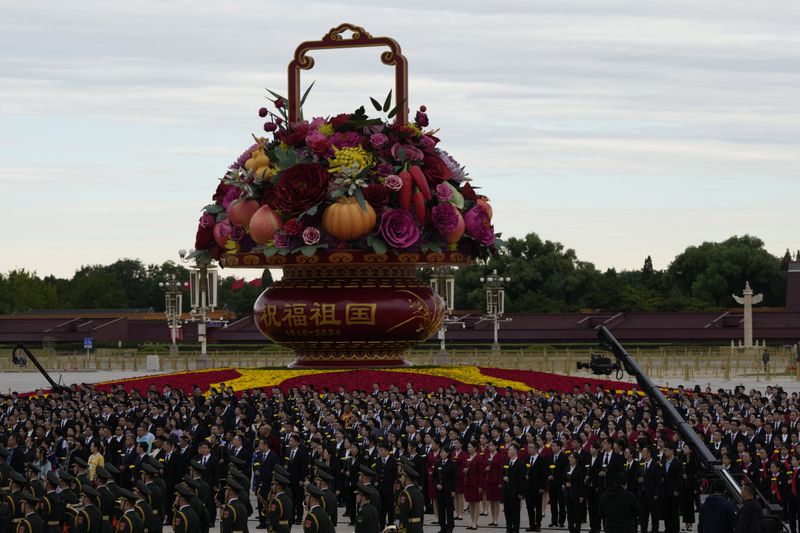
pixel 52 477
pixel 363 489
pixel 233 484
pixel 30 467
pixel 102 473
pixel 237 460
pixel 184 490
pixel 241 478
pixel 91 491
pixel 65 476
pixel 280 469
pixel 28 497
pixel 80 462
pixel 143 488
pixel 325 476
pixel 197 465
pixel 410 472
pixel 17 477
pixel 322 465
pixel 277 478
pixel 364 469
pixel 150 469
pixel 190 481
pixel 113 470
pixel 313 490
pixel 128 495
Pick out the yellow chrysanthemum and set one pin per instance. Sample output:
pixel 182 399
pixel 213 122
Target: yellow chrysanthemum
pixel 350 160
pixel 326 129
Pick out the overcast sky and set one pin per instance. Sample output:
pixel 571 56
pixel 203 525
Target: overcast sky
pixel 619 128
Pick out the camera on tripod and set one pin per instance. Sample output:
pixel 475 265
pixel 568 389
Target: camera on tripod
pixel 600 364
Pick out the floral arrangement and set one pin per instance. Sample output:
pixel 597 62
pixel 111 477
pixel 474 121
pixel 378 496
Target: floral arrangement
pixel 346 182
pixel 428 379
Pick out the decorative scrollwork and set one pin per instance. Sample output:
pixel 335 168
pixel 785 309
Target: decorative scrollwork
pixel 251 260
pixel 335 34
pixel 340 257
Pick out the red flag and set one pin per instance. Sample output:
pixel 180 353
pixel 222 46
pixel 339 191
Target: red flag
pixel 237 284
pixel 255 283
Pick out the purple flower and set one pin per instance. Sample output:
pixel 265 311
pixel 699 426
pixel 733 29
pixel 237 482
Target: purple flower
pixel 281 240
pixel 230 195
pixel 377 140
pixel 444 193
pixel 398 228
pixel 444 218
pixel 317 142
pixel 345 139
pixel 207 220
pixel 384 169
pixel 238 232
pixel 452 164
pixel 393 182
pixel 311 235
pixel 421 119
pixel 426 143
pixel 410 153
pixel 242 159
pixel 479 225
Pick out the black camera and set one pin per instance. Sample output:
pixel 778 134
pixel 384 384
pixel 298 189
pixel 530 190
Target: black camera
pixel 599 364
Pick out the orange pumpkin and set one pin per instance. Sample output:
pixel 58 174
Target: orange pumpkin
pixel 346 221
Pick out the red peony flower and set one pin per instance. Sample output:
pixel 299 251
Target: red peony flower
pixel 339 120
pixel 469 193
pixel 435 169
pixel 204 238
pixel 297 135
pixel 293 227
pixel 376 194
pixel 300 188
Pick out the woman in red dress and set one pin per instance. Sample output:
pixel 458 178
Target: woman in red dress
pixel 493 481
pixel 430 465
pixel 473 473
pixel 459 457
pixel 483 454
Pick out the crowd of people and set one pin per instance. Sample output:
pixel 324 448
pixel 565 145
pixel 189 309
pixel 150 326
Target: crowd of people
pixel 591 459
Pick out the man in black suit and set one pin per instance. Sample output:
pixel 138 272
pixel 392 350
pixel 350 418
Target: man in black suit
pixel 16 457
pixel 651 489
pixel 239 451
pixel 386 468
pixel 673 484
pixel 168 463
pixel 537 470
pixel 513 488
pixel 445 478
pixel 558 506
pixel 297 464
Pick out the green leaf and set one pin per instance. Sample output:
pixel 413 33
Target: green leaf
pixel 269 252
pixel 305 94
pixel 308 251
pixel 396 108
pixel 457 199
pixel 430 247
pixel 213 209
pixel 375 104
pixel 387 102
pixel 312 211
pixel 276 95
pixel 378 246
pixel 337 193
pixel 361 202
pixel 286 157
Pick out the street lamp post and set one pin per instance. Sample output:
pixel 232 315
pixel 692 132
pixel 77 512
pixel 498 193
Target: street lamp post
pixel 203 290
pixel 494 286
pixel 443 282
pixel 173 300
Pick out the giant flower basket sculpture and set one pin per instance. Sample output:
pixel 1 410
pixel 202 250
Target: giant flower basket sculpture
pixel 349 206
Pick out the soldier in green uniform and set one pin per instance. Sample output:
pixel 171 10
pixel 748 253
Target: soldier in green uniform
pixel 280 510
pixel 129 522
pixel 35 486
pixel 244 494
pixel 142 505
pixel 81 472
pixel 107 499
pixel 11 509
pixel 316 519
pixel 31 522
pixel 184 518
pixel 68 498
pixel 367 518
pixel 329 502
pixel 90 518
pixel 203 491
pixel 52 505
pixel 155 499
pixel 410 502
pixel 197 506
pixel 234 517
pixel 366 475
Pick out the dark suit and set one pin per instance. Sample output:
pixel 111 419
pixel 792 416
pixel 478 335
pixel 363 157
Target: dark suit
pixel 651 489
pixel 558 507
pixel 537 471
pixel 298 471
pixel 16 460
pixel 575 497
pixel 387 473
pixel 445 476
pixel 673 483
pixel 513 490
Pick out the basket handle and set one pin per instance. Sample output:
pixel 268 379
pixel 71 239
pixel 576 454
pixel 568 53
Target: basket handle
pixel 360 38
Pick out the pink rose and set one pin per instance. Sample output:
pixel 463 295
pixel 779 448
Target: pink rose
pixel 398 228
pixel 317 142
pixel 410 153
pixel 445 218
pixel 443 192
pixel 393 182
pixel 311 235
pixel 207 220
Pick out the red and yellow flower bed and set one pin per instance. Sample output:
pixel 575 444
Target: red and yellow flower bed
pixel 422 378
